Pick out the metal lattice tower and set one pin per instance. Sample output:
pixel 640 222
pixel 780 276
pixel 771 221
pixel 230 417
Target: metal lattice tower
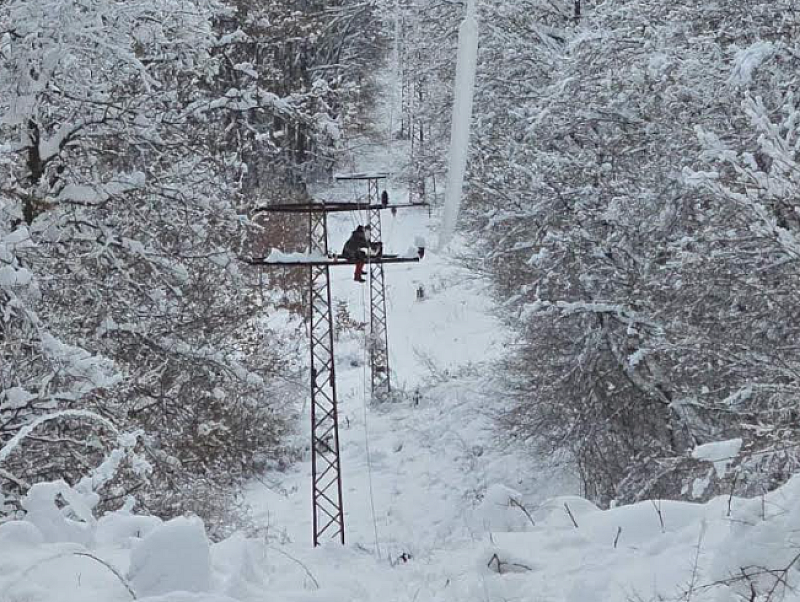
pixel 378 332
pixel 328 512
pixel 326 467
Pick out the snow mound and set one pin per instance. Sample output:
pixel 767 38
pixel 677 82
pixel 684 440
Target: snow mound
pixel 19 533
pixel 123 530
pixel 726 549
pixel 187 597
pixel 503 509
pixel 173 557
pixel 60 513
pixel 564 511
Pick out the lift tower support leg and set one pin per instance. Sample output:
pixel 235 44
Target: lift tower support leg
pixel 379 334
pixel 326 469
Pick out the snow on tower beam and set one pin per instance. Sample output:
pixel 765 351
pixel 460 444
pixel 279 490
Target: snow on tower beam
pixel 332 207
pixel 361 175
pixel 330 261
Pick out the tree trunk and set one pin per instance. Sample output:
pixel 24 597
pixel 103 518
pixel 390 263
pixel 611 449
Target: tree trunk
pixel 35 171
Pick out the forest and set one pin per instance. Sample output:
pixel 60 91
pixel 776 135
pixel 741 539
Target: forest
pixel 136 137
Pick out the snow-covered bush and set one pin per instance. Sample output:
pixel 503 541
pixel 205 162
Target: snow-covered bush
pixel 502 509
pixel 120 291
pixel 45 384
pixel 632 186
pixel 61 534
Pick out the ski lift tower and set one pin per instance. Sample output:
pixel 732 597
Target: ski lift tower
pixel 378 332
pixel 326 473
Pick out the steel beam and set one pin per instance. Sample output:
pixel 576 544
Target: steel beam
pixel 331 261
pixel 330 207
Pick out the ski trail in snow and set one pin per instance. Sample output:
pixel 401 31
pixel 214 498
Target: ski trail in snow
pixel 430 462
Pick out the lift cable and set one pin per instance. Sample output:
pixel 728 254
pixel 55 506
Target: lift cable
pixel 366 426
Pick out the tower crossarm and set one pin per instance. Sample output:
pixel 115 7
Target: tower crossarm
pixel 334 207
pixel 333 261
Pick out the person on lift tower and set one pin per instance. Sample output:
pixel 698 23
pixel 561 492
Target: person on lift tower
pixel 358 248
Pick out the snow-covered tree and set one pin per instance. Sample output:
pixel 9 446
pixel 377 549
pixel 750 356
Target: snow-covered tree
pixel 644 300
pixel 112 175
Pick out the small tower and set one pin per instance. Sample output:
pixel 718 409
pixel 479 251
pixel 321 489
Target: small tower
pixel 378 332
pixel 326 470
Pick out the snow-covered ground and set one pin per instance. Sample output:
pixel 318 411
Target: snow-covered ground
pixel 563 550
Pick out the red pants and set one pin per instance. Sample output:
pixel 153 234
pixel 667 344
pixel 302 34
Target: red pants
pixel 359 275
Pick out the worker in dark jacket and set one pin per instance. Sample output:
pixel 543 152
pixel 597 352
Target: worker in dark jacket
pixel 358 247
